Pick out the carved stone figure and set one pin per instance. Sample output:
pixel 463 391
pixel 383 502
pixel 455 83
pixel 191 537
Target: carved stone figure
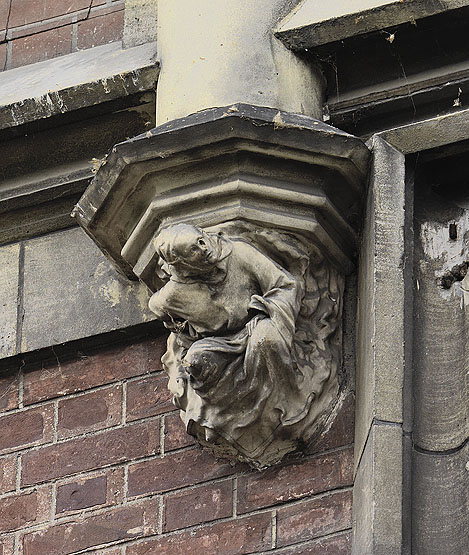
pixel 254 352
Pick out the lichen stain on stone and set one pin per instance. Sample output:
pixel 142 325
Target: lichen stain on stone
pixel 111 292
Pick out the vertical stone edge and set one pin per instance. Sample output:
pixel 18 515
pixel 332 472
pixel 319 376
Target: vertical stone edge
pixel 10 271
pixel 380 457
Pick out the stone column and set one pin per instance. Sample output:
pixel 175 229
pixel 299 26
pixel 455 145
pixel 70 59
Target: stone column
pixel 220 52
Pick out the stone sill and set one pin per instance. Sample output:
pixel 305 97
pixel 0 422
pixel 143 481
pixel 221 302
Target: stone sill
pixel 313 25
pixel 75 81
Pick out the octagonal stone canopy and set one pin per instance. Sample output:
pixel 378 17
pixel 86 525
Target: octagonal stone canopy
pixel 240 162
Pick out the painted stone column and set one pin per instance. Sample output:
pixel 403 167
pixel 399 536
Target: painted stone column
pixel 220 52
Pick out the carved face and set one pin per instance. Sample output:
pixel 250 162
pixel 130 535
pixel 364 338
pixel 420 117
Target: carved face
pixel 185 245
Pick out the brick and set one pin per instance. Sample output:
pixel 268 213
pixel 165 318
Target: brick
pixel 4 9
pixel 148 396
pixel 89 453
pixel 175 434
pixel 89 412
pixel 3 54
pixel 129 522
pixel 8 392
pixel 341 432
pixel 41 46
pixel 294 481
pixel 92 369
pixel 90 491
pixel 27 427
pixel 7 474
pixel 337 545
pixel 207 503
pixel 314 518
pixel 81 494
pixel 246 535
pixel 24 12
pixel 175 471
pixel 25 509
pixel 7 545
pixel 101 30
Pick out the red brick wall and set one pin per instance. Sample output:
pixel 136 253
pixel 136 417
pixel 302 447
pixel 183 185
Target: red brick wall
pixel 36 30
pixel 94 456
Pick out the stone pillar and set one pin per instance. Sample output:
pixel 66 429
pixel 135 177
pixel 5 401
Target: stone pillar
pixel 220 52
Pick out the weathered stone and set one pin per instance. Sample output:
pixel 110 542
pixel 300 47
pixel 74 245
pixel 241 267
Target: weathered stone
pixel 9 273
pixel 318 23
pixel 440 502
pixel 71 291
pixel 140 22
pixel 380 353
pixel 209 502
pixel 377 498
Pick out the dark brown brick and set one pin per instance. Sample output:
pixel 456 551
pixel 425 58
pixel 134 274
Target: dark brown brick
pixel 24 12
pixel 93 369
pixel 148 396
pixel 336 545
pixel 3 54
pixel 17 511
pixel 41 46
pixel 81 494
pixel 26 427
pixel 175 471
pixel 7 474
pixel 89 453
pixel 208 502
pixel 131 521
pixel 4 9
pixel 101 29
pixel 246 535
pixel 342 430
pixel 100 488
pixel 175 434
pixel 8 384
pixel 314 518
pixel 92 411
pixel 293 481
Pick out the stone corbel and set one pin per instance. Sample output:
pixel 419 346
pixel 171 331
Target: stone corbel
pixel 242 221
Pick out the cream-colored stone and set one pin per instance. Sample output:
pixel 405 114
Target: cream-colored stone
pixel 216 53
pixel 140 22
pixel 9 273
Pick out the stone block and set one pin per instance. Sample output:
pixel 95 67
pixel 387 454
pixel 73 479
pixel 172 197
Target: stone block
pixel 140 22
pixel 212 502
pixel 9 273
pixel 380 329
pixel 71 291
pixel 377 501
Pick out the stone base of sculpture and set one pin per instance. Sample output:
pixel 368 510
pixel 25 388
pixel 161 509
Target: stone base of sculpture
pixel 254 350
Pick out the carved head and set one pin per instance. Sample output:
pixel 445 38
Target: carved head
pixel 185 246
